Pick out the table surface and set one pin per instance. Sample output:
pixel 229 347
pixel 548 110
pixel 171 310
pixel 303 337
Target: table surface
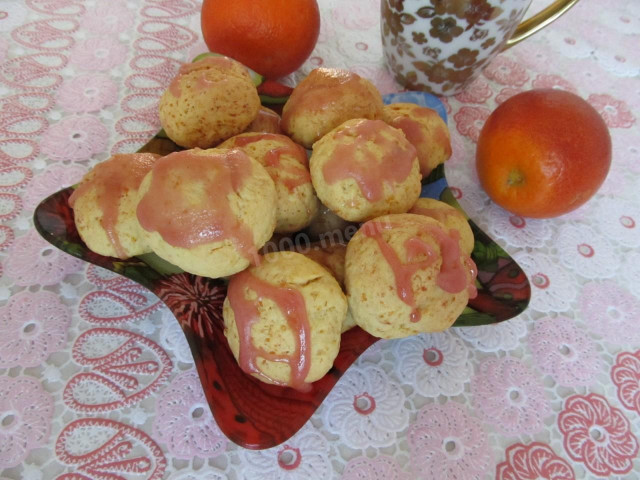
pixel 96 378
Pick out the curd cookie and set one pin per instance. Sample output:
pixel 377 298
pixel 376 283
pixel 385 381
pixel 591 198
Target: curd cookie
pixel 104 205
pixel 207 211
pixel 449 216
pixel 288 165
pixel 326 98
pixel 282 319
pixel 331 256
pixel 424 129
pixel 406 274
pixel 365 168
pixel 267 121
pixel 207 102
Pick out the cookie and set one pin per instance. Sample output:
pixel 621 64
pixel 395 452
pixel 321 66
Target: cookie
pixel 104 205
pixel 365 168
pixel 207 102
pixel 406 274
pixel 207 211
pixel 282 319
pixel 326 98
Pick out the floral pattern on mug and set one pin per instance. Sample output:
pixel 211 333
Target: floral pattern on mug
pixel 441 46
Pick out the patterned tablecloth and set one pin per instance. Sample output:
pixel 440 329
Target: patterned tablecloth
pixel 96 378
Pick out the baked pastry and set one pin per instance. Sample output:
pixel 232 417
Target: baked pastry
pixel 424 129
pixel 406 274
pixel 449 216
pixel 282 319
pixel 267 121
pixel 104 205
pixel 287 164
pixel 207 102
pixel 365 168
pixel 326 98
pixel 207 211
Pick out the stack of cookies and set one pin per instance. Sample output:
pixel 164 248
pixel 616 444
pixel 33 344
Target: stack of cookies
pixel 248 176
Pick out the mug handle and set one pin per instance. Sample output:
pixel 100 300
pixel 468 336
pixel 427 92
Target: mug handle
pixel 539 21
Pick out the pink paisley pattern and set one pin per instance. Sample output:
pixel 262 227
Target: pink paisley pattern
pixel 75 138
pixel 610 311
pixel 447 443
pixel 625 375
pixel 32 326
pixel 535 461
pixel 26 411
pixel 33 260
pixel 116 301
pixel 597 435
pixel 124 368
pixel 87 93
pixel 507 394
pixel 184 422
pixel 564 351
pixel 90 445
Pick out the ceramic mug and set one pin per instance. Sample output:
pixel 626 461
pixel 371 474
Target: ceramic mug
pixel 440 46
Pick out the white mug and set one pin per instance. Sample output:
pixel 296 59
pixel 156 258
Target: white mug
pixel 440 46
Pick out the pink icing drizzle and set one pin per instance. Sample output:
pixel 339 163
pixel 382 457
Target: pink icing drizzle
pixel 202 82
pixel 292 305
pixel 112 179
pixel 452 277
pixel 366 169
pixel 296 175
pixel 167 209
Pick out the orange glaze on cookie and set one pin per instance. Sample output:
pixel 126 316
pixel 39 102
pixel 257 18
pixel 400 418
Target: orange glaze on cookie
pixel 296 175
pixel 202 82
pixel 169 209
pixel 292 305
pixel 321 90
pixel 452 277
pixel 112 179
pixel 366 169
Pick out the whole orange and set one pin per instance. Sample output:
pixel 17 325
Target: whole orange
pixel 272 37
pixel 543 153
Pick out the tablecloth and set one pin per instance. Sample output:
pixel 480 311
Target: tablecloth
pixel 96 378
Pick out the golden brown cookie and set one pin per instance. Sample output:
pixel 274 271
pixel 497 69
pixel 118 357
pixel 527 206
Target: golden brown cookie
pixel 450 216
pixel 424 129
pixel 207 102
pixel 406 274
pixel 287 164
pixel 207 211
pixel 326 98
pixel 365 168
pixel 104 205
pixel 282 319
